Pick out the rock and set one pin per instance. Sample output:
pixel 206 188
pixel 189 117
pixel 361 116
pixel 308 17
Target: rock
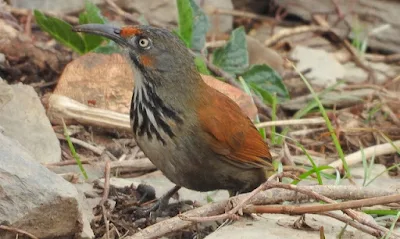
pixel 161 184
pixel 325 69
pixel 98 80
pixel 105 82
pixel 34 199
pixel 24 119
pixel 276 226
pixel 259 54
pixel 53 5
pixel 87 208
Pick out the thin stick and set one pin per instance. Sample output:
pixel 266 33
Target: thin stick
pixel 351 222
pixel 356 157
pixel 106 192
pixel 317 208
pixel 268 185
pixel 293 31
pixel 309 121
pixel 271 196
pixel 18 231
pixel 85 145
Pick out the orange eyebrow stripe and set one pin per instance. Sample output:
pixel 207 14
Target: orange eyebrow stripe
pixel 129 31
pixel 147 61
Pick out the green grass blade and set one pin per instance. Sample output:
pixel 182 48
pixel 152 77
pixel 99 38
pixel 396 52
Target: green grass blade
pixel 73 151
pixel 328 123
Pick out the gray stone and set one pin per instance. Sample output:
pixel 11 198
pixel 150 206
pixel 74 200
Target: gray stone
pixel 34 199
pixel 86 209
pixel 276 226
pixel 53 5
pixel 24 119
pixel 325 69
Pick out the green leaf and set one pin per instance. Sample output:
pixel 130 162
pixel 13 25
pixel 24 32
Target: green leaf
pixel 201 66
pixel 265 81
pixel 233 57
pixel 185 20
pixel 201 25
pixel 92 14
pixel 61 31
pixel 110 48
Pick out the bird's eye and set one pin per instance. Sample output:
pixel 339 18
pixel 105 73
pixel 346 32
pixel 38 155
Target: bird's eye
pixel 144 43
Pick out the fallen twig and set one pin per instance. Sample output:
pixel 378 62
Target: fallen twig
pixel 360 217
pixel 351 222
pixel 318 208
pixel 105 197
pixel 272 196
pixel 308 121
pixel 293 31
pixel 96 150
pixel 18 231
pixel 356 157
pixel 382 58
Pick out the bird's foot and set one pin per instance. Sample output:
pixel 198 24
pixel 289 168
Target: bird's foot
pixel 158 208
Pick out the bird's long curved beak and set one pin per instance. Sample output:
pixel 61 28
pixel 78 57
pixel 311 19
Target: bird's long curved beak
pixel 108 31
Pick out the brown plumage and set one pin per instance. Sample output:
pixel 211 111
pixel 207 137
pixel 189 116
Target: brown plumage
pixel 198 137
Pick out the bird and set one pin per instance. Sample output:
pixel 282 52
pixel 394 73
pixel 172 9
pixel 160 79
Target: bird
pixel 196 136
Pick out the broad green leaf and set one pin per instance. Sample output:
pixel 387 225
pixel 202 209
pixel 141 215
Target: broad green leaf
pixel 61 31
pixel 92 14
pixel 201 66
pixel 233 57
pixel 110 48
pixel 185 20
pixel 267 81
pixel 201 25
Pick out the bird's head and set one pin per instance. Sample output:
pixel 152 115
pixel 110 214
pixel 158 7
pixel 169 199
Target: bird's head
pixel 159 55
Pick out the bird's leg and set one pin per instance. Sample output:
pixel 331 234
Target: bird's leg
pixel 161 203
